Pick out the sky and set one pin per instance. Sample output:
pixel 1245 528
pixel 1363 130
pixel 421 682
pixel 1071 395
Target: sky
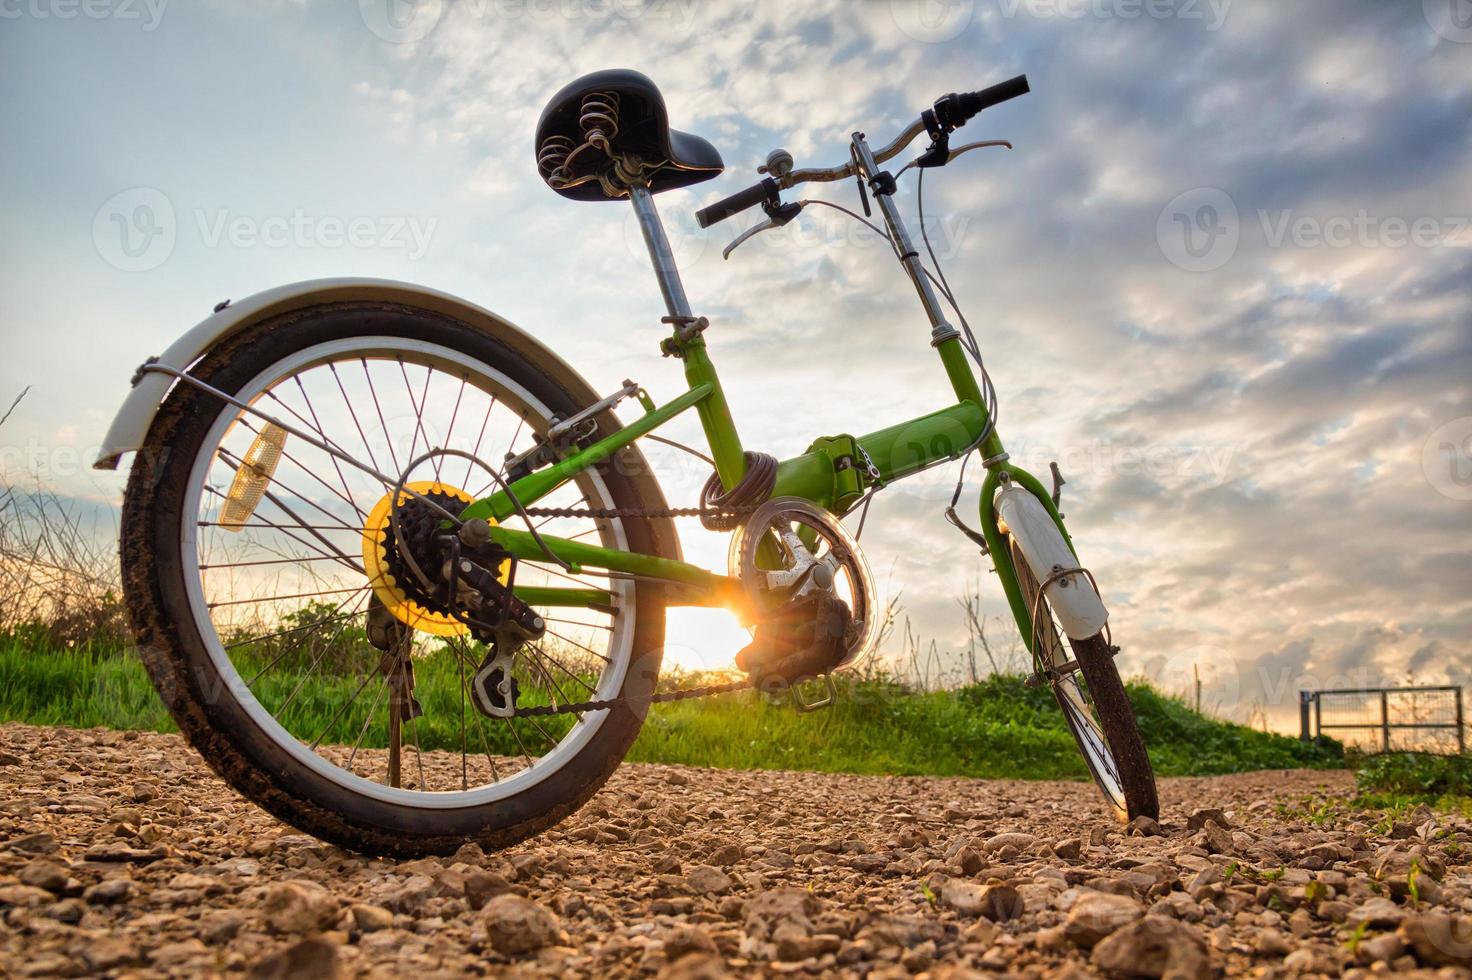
pixel 1222 278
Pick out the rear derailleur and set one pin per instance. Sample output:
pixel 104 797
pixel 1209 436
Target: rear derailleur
pixel 464 574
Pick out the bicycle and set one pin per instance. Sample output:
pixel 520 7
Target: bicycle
pixel 330 575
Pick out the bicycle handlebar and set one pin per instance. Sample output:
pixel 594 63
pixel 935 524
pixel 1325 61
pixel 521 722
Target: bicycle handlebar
pixel 738 202
pixel 950 111
pixel 953 111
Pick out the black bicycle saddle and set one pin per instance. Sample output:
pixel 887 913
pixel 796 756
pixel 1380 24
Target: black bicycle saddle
pixel 616 112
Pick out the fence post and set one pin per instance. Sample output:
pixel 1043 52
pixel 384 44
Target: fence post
pixel 1385 720
pixel 1461 733
pixel 1304 697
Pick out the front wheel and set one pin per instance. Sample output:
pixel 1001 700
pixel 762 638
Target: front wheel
pixel 1095 706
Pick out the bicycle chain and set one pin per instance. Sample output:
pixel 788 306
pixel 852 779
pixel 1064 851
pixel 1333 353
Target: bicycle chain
pixel 684 694
pixel 633 512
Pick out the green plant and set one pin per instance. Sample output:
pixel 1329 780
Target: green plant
pixel 1416 776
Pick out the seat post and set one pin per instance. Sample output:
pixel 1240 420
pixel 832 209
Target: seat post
pixel 715 414
pixel 660 253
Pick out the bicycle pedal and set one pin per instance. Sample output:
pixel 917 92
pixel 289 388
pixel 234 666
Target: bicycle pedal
pixel 829 696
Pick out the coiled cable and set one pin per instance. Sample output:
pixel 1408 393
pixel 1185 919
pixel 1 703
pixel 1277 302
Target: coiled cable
pixel 754 487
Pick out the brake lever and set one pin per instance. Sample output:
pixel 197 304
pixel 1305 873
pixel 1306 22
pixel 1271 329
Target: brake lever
pixel 751 232
pixel 976 146
pixel 776 218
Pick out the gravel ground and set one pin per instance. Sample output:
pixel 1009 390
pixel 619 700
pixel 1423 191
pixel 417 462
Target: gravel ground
pixel 121 854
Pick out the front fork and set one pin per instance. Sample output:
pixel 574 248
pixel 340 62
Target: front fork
pixel 997 476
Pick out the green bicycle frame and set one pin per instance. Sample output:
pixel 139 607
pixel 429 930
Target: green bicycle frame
pixel 833 474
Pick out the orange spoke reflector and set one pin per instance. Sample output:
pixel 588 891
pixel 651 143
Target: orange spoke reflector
pixel 253 477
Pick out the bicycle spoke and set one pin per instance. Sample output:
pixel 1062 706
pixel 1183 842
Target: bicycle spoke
pixel 352 502
pixel 356 424
pixel 475 453
pixel 394 456
pixel 418 412
pixel 557 663
pixel 282 655
pixel 450 429
pixel 579 645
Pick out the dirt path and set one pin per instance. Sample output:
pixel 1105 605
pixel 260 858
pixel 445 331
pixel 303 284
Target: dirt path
pixel 121 854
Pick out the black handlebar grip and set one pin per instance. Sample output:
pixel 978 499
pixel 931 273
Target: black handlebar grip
pixel 974 102
pixel 738 202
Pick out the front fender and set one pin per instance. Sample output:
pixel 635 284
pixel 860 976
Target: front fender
pixel 129 430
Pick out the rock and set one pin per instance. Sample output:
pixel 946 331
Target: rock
pixel 1200 816
pixel 410 896
pixel 1069 848
pixel 782 913
pixel 24 896
pixel 220 926
pixel 705 879
pixel 109 891
pixel 1438 939
pixel 995 901
pixel 469 853
pixel 1017 841
pixel 981 932
pixel 482 886
pixel 299 907
pixel 310 959
pixel 42 843
pixel 41 873
pixel 726 854
pixel 1097 914
pixel 1154 947
pixel 1301 960
pixel 696 967
pixel 1376 913
pixel 967 861
pixel 177 954
pixel 1143 826
pixel 517 925
pixel 686 941
pixel 108 952
pixel 9 759
pixel 371 918
pixel 1271 942
pixel 1380 949
pixel 1215 838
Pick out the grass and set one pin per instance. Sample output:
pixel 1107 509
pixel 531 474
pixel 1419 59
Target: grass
pixel 1399 781
pixel 997 729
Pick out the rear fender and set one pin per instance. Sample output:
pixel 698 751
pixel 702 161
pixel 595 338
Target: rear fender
pixel 129 430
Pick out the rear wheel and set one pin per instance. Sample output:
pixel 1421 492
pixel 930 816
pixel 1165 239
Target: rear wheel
pixel 255 564
pixel 1095 706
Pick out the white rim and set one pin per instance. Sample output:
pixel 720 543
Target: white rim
pixel 1078 713
pixel 610 681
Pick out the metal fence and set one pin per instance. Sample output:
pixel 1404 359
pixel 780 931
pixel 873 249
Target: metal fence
pixel 1425 719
